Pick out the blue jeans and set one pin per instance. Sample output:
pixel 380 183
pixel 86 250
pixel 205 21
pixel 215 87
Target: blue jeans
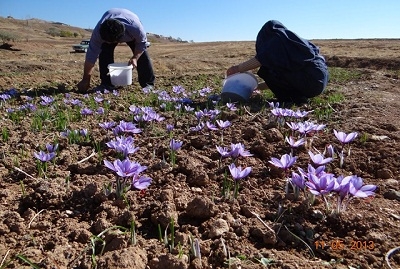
pixel 144 65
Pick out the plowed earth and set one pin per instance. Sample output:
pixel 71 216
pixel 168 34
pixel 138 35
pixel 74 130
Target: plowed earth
pixel 63 219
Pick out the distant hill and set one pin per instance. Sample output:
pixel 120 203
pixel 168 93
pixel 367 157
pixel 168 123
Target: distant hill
pixel 36 29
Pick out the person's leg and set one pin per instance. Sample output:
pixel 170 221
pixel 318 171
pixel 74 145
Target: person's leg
pixel 278 86
pixel 106 57
pixel 144 68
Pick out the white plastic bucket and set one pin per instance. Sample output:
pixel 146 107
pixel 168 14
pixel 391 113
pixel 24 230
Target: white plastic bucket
pixel 238 87
pixel 120 74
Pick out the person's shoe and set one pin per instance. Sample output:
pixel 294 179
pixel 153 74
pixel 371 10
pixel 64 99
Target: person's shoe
pixel 148 89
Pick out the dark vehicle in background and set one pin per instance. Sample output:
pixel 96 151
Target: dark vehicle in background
pixel 82 47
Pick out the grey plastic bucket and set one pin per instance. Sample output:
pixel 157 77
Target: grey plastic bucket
pixel 238 87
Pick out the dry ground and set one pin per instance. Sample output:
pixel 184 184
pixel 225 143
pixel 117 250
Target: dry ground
pixel 52 224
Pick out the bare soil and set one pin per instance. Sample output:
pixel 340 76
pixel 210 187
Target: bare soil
pixel 52 221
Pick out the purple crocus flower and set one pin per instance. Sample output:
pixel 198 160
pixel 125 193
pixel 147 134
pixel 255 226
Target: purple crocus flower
pixel 199 115
pixel 313 170
pixel 238 150
pixel 75 102
pixel 170 128
pixel 223 151
pixel 281 112
pixel 43 156
pixel 123 144
pixel 294 143
pixel 188 108
pixel 98 99
pixel 5 97
pixel 298 180
pixel 342 185
pixel 158 117
pixel 231 106
pixel 86 111
pixel 293 125
pixel 273 105
pixel 128 127
pixel 239 173
pixel 107 125
pixel 83 132
pixel 135 110
pixel 141 182
pixel 357 188
pixel 51 148
pixel 223 124
pixel 175 144
pixel 211 126
pixel 300 114
pixel 285 162
pixel 46 100
pixel 345 138
pixel 318 159
pixel 320 185
pixel 100 111
pixel 125 168
pixel 204 91
pixel 330 151
pixel 197 128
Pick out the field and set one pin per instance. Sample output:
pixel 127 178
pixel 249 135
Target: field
pixel 69 216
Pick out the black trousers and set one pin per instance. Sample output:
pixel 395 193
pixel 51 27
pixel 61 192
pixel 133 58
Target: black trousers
pixel 144 65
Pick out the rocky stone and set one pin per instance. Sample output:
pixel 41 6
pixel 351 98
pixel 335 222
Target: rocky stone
pixel 217 228
pixel 392 195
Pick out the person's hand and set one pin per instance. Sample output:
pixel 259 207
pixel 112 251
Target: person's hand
pixel 232 70
pixel 83 85
pixel 133 61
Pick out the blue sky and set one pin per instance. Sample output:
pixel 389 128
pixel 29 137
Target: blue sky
pixel 227 20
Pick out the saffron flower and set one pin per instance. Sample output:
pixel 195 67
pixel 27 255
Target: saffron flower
pixel 320 185
pixel 330 151
pixel 223 124
pixel 46 100
pixel 294 143
pixel 86 111
pixel 298 180
pixel 128 127
pixel 141 182
pixel 51 148
pixel 43 156
pixel 345 138
pixel 223 151
pixel 239 173
pixel 231 106
pixel 197 128
pixel 285 162
pixel 175 144
pixel 123 145
pixel 238 150
pixel 211 126
pixel 318 159
pixel 125 168
pixel 170 127
pixel 107 125
pixel 357 188
pixel 298 183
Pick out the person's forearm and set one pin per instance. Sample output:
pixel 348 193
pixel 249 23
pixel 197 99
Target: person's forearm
pixel 251 64
pixel 87 70
pixel 136 55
